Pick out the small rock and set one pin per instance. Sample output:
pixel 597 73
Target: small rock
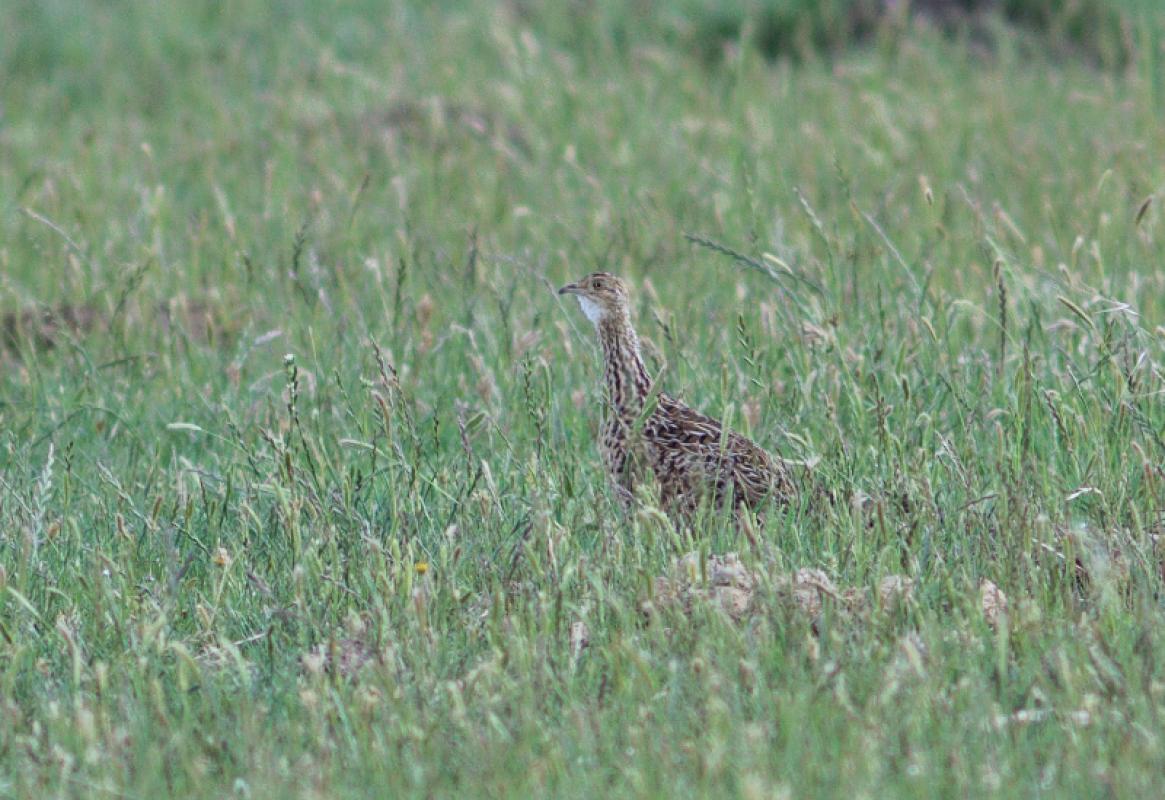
pixel 894 589
pixel 580 637
pixel 807 588
pixel 992 601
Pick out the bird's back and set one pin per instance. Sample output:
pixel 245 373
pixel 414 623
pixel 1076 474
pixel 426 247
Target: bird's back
pixel 694 457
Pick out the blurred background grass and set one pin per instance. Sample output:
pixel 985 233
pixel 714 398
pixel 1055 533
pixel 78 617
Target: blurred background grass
pixel 961 328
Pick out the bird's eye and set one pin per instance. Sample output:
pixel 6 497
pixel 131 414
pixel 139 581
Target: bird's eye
pixel 597 283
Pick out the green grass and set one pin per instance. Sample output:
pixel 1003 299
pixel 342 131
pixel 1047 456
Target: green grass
pixel 195 532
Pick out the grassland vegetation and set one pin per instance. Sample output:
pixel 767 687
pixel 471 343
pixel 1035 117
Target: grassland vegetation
pixel 299 493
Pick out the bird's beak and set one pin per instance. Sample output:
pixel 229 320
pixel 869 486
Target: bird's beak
pixel 570 288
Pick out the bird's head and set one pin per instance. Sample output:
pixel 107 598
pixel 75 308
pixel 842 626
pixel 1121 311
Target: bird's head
pixel 600 295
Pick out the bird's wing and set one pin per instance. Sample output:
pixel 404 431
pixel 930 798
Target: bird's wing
pixel 715 454
pixel 680 426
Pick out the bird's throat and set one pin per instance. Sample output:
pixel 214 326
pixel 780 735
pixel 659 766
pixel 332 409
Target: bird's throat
pixel 593 310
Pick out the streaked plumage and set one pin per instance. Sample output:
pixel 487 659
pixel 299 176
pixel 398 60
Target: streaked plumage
pixel 690 454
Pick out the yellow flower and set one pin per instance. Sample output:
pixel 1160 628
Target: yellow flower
pixel 422 567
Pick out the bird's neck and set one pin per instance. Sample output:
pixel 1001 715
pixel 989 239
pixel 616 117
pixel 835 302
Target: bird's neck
pixel 623 370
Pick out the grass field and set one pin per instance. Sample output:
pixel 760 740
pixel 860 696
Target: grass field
pixel 299 493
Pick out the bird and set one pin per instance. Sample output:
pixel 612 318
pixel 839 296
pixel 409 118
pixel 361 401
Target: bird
pixel 693 458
